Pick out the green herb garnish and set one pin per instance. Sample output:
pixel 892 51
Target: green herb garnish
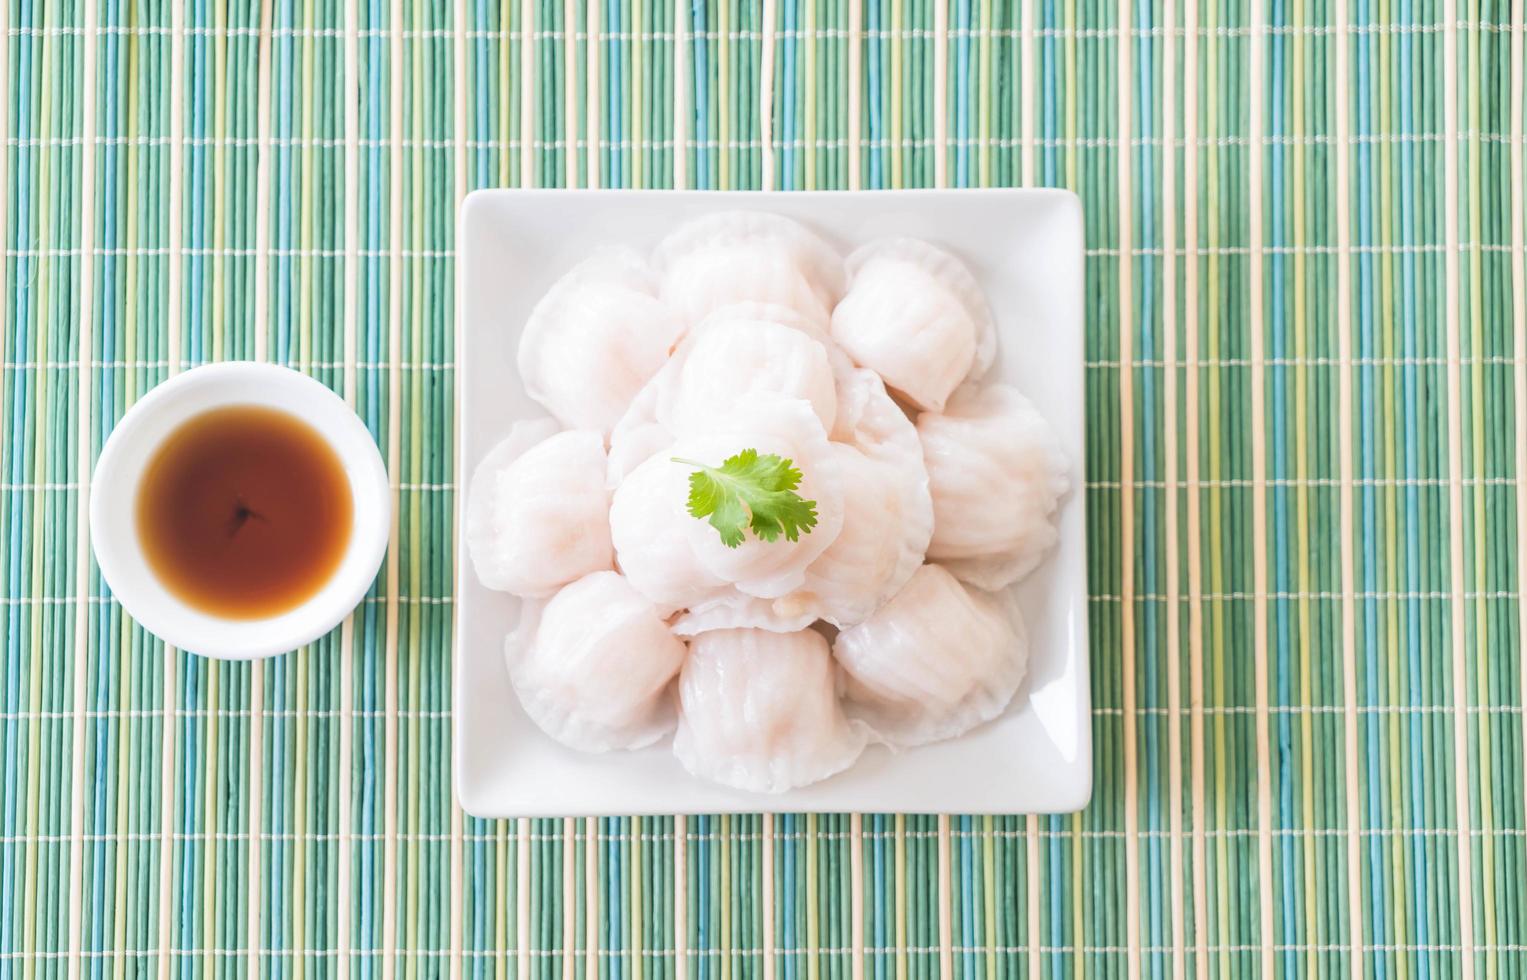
pixel 749 490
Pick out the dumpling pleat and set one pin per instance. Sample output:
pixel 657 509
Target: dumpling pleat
pixel 914 315
pixel 595 339
pixel 997 473
pixel 934 662
pixel 593 665
pixel 538 511
pixel 736 256
pixel 759 711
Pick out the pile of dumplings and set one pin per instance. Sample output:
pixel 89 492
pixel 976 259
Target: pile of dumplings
pixel 773 664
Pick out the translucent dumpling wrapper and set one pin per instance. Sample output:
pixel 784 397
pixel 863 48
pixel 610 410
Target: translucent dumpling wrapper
pixel 637 437
pixel 593 665
pixel 737 256
pixel 915 315
pixel 731 609
pixel 997 474
pixel 759 711
pixel 649 527
pixel 884 536
pixel 538 510
pixel 679 561
pixel 885 532
pixel 886 438
pixel 883 436
pixel 934 662
pixel 773 426
pixel 742 348
pixel 633 450
pixel 870 420
pixel 595 339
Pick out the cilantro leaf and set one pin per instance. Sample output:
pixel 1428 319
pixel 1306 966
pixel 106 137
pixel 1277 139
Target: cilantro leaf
pixel 749 490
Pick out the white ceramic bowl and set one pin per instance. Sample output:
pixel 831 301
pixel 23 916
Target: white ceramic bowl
pixel 113 520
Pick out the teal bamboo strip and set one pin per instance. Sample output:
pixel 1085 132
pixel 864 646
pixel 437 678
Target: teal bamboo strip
pixel 1150 698
pixel 371 401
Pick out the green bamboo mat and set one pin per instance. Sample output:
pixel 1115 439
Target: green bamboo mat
pixel 1306 391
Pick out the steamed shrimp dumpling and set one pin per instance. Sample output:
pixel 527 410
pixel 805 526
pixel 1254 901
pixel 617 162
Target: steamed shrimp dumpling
pixel 650 530
pixel 592 665
pixel 759 711
pixel 997 473
pixel 638 435
pixel 870 420
pixel 887 529
pixel 915 315
pixel 538 511
pixel 735 256
pixel 595 338
pixel 678 560
pixel 885 535
pixel 934 662
pixel 779 426
pixel 743 348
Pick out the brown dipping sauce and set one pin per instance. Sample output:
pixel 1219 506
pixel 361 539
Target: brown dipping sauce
pixel 244 512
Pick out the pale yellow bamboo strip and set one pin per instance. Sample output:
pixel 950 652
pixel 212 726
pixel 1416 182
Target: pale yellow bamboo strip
pixel 766 125
pixel 681 109
pixel 527 93
pixel 85 312
pixel 940 96
pixel 569 885
pixel 1170 432
pixel 1344 424
pixel 856 895
pixel 461 149
pixel 1195 544
pixel 352 315
pixel 591 898
pixel 945 900
pixel 1029 67
pixel 1126 305
pixel 395 314
pixel 570 89
pixel 855 80
pixel 522 898
pixel 259 328
pixel 1464 893
pixel 1260 652
pixel 173 326
pixel 1519 316
pixel 681 896
pixel 593 101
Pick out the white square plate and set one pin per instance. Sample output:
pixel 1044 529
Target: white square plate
pixel 1025 246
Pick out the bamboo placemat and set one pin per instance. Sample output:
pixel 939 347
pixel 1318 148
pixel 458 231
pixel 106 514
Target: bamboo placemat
pixel 1306 392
